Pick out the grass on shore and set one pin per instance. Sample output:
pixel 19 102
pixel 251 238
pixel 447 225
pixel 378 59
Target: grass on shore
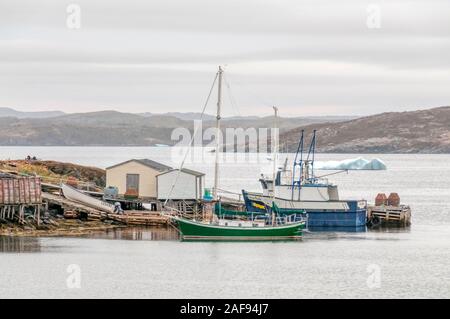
pixel 52 171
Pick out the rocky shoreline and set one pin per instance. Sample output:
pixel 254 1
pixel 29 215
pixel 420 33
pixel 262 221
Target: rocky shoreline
pixel 57 227
pixel 53 222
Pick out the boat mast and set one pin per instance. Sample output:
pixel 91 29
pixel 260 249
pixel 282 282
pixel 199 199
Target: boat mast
pixel 274 151
pixel 218 133
pixel 300 166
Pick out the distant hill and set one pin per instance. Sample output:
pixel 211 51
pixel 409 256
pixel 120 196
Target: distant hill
pixel 9 112
pixel 111 128
pixel 424 131
pixel 250 120
pixel 188 116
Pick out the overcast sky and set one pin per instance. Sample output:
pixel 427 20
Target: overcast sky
pixel 307 57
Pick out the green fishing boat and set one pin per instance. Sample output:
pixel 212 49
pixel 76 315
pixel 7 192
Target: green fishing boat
pixel 245 226
pixel 238 230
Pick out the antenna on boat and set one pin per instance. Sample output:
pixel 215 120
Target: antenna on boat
pixel 218 132
pixel 312 151
pixel 299 164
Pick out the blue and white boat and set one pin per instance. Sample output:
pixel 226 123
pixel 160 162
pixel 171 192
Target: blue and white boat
pixel 300 189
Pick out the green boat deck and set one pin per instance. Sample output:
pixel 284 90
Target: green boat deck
pixel 197 230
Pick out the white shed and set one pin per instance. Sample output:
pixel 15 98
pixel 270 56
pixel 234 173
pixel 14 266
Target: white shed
pixel 189 184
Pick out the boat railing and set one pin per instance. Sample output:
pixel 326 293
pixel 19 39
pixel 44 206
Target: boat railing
pixel 282 220
pixel 229 195
pixel 318 180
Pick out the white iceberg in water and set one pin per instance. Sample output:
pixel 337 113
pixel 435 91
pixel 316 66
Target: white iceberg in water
pixel 352 164
pixel 376 164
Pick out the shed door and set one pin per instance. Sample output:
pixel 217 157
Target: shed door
pixel 133 182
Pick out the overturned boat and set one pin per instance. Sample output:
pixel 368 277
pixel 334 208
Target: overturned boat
pixel 75 195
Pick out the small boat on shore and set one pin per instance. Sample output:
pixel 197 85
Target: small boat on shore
pixel 77 196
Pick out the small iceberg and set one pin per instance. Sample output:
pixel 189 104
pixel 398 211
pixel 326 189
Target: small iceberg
pixel 352 164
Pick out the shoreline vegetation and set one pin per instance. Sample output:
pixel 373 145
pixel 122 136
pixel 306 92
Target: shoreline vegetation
pixel 56 171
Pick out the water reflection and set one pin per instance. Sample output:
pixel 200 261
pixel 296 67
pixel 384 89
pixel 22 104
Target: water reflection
pixel 10 244
pixel 138 233
pixel 391 229
pixel 247 240
pixel 359 229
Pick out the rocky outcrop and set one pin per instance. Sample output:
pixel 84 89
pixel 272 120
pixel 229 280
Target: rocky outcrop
pixel 424 131
pixel 56 171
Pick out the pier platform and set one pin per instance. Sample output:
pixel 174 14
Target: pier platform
pixel 129 217
pixel 389 215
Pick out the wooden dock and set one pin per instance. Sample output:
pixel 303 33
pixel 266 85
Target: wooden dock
pixel 67 204
pixel 389 215
pixel 140 218
pixel 16 212
pixel 133 217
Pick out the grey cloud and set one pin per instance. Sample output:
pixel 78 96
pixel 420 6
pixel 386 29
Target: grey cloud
pixel 160 55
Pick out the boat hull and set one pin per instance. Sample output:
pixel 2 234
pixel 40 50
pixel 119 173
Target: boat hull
pixel 336 219
pixel 195 230
pixel 350 213
pixel 77 196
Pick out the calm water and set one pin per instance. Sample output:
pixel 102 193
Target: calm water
pixel 152 263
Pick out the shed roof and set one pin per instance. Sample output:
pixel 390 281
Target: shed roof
pixel 184 170
pixel 147 162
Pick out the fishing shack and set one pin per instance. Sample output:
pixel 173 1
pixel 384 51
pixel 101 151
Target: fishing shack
pixel 146 183
pixel 135 178
pixel 186 184
pixel 183 188
pixel 20 198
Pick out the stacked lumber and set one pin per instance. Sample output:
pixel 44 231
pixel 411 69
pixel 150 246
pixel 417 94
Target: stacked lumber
pixel 140 218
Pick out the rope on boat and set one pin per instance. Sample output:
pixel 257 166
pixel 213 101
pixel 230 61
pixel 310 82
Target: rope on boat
pixel 192 140
pixel 231 96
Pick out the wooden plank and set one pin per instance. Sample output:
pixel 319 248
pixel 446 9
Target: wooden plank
pixel 2 196
pixel 16 191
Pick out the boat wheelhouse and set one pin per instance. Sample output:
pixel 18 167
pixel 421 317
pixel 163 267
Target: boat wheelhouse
pixel 301 189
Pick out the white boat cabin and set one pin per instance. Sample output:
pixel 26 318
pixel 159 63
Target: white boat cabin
pixel 310 189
